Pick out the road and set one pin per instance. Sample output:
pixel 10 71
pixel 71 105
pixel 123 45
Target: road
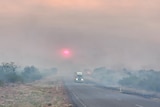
pixel 90 95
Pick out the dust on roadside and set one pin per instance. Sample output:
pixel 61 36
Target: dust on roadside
pixel 49 92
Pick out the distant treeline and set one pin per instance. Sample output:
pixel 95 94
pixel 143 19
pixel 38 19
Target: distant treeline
pixel 10 73
pixel 142 79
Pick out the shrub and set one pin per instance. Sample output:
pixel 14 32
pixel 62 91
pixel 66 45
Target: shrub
pixel 1 83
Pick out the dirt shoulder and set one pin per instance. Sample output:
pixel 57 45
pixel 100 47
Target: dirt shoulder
pixel 49 92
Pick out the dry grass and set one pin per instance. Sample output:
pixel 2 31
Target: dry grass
pixel 45 93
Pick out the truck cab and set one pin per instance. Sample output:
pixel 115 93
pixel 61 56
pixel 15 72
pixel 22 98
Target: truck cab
pixel 79 77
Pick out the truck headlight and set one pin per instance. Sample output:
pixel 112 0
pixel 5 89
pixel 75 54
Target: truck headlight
pixel 82 79
pixel 76 79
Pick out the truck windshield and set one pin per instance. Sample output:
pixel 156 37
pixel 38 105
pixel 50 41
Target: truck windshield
pixel 79 76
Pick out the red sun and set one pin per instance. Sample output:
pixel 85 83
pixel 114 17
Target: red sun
pixel 66 53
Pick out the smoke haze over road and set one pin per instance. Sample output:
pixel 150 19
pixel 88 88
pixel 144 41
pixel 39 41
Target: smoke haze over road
pixel 112 33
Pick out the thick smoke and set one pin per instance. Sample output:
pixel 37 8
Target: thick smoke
pixel 115 34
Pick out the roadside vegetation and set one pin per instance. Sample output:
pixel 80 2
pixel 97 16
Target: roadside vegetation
pixel 9 73
pixel 29 87
pixel 142 79
pixel 108 76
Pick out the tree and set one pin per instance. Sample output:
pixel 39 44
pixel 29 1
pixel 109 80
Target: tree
pixel 31 73
pixel 8 67
pixel 8 73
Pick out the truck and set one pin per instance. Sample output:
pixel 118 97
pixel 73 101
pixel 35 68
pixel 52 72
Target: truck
pixel 79 77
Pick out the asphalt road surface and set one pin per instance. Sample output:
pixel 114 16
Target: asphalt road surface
pixel 90 95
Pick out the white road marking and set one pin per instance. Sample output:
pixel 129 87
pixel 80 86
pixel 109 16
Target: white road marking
pixel 79 100
pixel 137 105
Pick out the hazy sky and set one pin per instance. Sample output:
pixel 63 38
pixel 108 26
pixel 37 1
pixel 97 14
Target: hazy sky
pixel 111 33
